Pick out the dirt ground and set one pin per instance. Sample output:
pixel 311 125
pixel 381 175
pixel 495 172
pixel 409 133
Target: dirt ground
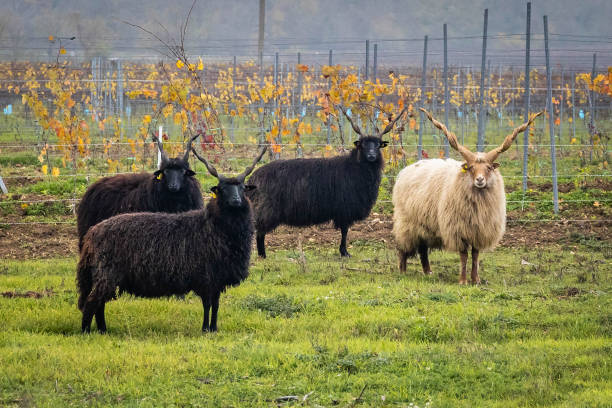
pixel 598 184
pixel 43 241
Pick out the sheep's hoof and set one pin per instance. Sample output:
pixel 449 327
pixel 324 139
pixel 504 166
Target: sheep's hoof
pixel 209 329
pixel 476 282
pixel 463 281
pixel 428 272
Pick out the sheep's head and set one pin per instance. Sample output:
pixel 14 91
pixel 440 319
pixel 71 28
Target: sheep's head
pixel 479 170
pixel 480 166
pixel 173 173
pixel 230 191
pixel 369 146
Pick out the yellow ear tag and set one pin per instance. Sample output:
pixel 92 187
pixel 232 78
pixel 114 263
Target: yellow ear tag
pixel 463 170
pixel 213 195
pixel 159 176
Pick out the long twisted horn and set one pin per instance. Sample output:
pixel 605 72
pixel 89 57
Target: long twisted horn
pixel 188 147
pixel 492 155
pixel 210 167
pixel 164 156
pixel 390 125
pixel 452 138
pixel 355 127
pixel 249 169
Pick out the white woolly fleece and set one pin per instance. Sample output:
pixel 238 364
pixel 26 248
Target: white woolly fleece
pixel 436 202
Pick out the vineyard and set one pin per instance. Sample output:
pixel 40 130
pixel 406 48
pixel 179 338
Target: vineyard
pixel 65 125
pixel 308 328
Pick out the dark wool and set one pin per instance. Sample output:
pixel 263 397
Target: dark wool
pixel 142 192
pixel 153 255
pixel 302 192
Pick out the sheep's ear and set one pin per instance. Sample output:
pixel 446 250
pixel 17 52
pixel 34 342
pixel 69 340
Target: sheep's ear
pixel 249 187
pixel 357 143
pixel 158 174
pixel 383 143
pixel 495 165
pixel 190 173
pixel 214 189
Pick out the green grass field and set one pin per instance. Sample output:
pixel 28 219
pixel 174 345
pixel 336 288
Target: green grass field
pixel 324 333
pixel 536 333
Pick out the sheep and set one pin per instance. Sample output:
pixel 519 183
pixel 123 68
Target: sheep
pixel 157 254
pixel 447 204
pixel 170 189
pixel 303 192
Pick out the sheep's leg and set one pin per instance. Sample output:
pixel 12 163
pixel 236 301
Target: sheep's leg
pixel 89 310
pixel 423 254
pixel 463 277
pixel 343 251
pixel 206 304
pixel 261 244
pixel 403 257
pixel 475 277
pixel 100 320
pixel 215 310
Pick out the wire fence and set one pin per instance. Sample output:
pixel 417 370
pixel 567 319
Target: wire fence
pixel 483 104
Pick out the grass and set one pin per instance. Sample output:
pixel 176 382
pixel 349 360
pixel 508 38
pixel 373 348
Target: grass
pixel 23 159
pixel 329 333
pixel 537 333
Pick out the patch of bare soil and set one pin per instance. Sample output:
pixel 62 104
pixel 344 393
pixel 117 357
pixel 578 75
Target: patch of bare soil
pixel 595 184
pixel 28 294
pixel 37 241
pixel 34 241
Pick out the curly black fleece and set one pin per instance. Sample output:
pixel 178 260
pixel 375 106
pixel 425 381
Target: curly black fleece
pixel 126 193
pixel 154 254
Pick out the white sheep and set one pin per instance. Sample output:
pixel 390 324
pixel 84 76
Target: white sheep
pixel 447 204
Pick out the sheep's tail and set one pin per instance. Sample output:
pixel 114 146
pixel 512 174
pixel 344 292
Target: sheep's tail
pixel 84 278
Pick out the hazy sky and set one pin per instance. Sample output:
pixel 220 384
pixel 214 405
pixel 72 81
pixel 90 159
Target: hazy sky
pixel 229 27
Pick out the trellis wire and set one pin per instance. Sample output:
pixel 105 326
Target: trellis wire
pixel 98 79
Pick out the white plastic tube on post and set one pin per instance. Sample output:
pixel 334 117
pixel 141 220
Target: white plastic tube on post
pixel 3 186
pixel 159 137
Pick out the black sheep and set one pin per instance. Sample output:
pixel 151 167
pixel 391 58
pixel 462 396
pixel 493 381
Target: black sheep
pixel 170 189
pixel 156 254
pixel 303 192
